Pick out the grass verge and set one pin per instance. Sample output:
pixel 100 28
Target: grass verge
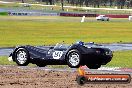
pixel 4 61
pixel 3 13
pixel 121 59
pixel 57 29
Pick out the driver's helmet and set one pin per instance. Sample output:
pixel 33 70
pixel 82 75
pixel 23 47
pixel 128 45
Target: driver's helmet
pixel 80 43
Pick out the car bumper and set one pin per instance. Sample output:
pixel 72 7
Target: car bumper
pixel 106 59
pixel 97 59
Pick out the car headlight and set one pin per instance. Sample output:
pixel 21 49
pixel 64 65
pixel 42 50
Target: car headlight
pixel 108 52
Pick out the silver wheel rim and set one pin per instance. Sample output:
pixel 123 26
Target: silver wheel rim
pixel 74 58
pixel 21 57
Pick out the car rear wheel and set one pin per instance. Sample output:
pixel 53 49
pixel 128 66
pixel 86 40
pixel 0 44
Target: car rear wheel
pixel 93 66
pixel 74 58
pixel 22 57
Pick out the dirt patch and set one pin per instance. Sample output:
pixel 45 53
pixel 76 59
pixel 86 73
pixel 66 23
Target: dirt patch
pixel 14 77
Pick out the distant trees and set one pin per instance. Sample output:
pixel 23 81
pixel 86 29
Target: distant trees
pixel 48 1
pixel 120 4
pixel 22 1
pixel 129 3
pixel 92 3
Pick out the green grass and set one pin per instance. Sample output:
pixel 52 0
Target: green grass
pixel 3 13
pixel 4 61
pixel 9 5
pixel 50 30
pixel 120 59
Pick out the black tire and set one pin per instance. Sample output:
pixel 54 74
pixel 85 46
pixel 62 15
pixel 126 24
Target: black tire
pixel 81 80
pixel 73 55
pixel 40 64
pixel 93 66
pixel 20 54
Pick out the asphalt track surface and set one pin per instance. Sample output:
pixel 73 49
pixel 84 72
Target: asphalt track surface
pixel 6 51
pixel 114 47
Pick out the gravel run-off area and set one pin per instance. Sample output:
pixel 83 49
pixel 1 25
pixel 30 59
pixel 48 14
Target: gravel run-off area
pixel 14 77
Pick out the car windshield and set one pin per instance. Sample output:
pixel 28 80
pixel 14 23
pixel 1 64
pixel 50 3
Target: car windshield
pixel 92 45
pixel 61 46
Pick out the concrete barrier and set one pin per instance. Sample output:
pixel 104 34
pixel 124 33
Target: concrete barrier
pixel 92 15
pixel 32 14
pixel 77 14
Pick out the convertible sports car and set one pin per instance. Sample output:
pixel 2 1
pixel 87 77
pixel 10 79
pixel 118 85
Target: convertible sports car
pixel 75 55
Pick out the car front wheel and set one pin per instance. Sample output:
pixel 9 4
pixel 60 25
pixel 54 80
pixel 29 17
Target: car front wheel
pixel 22 57
pixel 74 58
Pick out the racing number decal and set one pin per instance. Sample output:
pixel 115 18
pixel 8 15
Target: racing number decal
pixel 57 54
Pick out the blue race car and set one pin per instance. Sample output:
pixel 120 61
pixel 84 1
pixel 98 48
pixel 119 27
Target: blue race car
pixel 75 55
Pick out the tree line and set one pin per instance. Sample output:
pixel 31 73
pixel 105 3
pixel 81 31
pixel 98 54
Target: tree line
pixel 120 4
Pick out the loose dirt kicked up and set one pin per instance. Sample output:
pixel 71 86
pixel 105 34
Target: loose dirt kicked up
pixel 14 77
